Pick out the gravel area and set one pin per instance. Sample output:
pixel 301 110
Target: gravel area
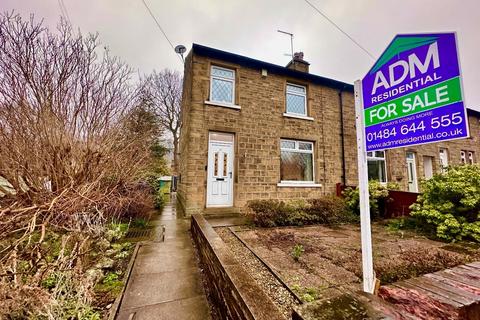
pixel 282 298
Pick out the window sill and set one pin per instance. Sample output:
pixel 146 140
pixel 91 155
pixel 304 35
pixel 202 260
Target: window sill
pixel 224 105
pixel 299 185
pixel 289 115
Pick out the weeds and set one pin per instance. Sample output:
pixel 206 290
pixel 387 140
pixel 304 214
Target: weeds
pixel 141 223
pixel 65 283
pixel 307 294
pixel 402 224
pixel 297 252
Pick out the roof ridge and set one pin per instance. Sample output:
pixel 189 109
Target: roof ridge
pixel 274 68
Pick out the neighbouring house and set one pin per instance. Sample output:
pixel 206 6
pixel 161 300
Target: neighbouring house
pixel 256 130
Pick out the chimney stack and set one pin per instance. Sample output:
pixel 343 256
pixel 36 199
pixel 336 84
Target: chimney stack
pixel 297 63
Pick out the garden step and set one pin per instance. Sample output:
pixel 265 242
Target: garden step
pixel 221 212
pixel 448 294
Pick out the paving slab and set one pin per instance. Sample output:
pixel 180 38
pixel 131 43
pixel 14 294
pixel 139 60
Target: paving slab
pixel 153 288
pixel 165 282
pixel 154 262
pixel 183 309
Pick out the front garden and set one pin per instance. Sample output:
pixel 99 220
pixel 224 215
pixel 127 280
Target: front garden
pixel 314 247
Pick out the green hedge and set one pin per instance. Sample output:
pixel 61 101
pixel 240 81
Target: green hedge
pixel 161 196
pixel 325 210
pixel 450 203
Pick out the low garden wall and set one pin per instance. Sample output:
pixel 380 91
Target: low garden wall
pixel 231 289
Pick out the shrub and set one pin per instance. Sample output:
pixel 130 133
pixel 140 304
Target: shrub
pixel 451 203
pixel 271 213
pixel 116 231
pixel 267 213
pixel 161 196
pixel 330 210
pixel 378 197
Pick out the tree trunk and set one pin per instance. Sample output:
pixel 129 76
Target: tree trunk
pixel 175 156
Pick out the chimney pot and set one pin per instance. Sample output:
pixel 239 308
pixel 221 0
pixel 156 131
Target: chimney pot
pixel 298 55
pixel 297 63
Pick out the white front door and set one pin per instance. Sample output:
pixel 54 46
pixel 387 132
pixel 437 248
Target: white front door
pixel 220 170
pixel 412 172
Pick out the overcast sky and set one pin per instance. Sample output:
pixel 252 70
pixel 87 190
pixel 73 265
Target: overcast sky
pixel 248 27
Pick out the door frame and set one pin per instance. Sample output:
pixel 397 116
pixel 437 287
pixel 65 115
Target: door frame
pixel 414 172
pixel 231 145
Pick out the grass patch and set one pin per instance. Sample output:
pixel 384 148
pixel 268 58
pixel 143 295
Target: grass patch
pixel 111 283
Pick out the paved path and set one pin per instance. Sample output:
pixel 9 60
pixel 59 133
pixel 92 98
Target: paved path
pixel 165 281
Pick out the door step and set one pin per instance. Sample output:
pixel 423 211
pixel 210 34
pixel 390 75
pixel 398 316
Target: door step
pixel 221 212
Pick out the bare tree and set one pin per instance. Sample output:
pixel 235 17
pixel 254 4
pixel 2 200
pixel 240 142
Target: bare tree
pixel 74 141
pixel 65 121
pixel 163 92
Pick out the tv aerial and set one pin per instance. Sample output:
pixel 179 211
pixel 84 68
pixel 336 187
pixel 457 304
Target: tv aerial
pixel 291 40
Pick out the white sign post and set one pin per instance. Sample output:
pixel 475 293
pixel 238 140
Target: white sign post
pixel 366 232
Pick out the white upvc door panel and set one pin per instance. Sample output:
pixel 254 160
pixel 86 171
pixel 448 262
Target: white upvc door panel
pixel 220 173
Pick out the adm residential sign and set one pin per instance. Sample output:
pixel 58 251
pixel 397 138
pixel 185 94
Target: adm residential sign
pixel 413 93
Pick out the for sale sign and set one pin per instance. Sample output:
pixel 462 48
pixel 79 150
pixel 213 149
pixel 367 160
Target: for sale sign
pixel 413 93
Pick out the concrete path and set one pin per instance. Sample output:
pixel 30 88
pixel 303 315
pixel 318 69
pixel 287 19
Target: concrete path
pixel 165 281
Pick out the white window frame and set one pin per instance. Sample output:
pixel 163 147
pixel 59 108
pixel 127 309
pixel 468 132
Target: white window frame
pixel 371 156
pixel 470 158
pixel 287 92
pixel 432 160
pixel 296 149
pixel 443 168
pixel 232 80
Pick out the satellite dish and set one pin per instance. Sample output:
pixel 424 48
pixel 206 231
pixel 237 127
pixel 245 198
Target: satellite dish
pixel 180 49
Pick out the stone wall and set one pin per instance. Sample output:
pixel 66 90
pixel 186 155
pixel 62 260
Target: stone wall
pixel 231 289
pixel 184 182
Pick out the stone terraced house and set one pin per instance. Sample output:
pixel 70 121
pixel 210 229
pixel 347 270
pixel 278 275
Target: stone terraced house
pixel 255 130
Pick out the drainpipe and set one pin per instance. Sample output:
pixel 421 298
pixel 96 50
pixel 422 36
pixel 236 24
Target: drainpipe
pixel 342 135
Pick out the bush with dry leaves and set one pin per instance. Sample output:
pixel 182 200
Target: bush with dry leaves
pixel 75 140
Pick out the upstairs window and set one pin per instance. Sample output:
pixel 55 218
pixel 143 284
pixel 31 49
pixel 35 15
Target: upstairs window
pixel 470 158
pixel 296 99
pixel 463 157
pixel 296 161
pixel 377 169
pixel 222 85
